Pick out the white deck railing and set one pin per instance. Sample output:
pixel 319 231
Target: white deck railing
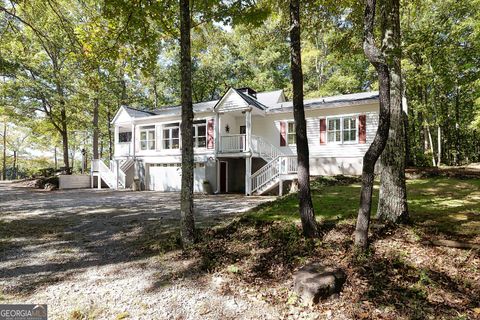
pixel 109 175
pixel 232 143
pixel 265 174
pixel 288 164
pixel 123 149
pixel 281 165
pixel 264 148
pixel 121 174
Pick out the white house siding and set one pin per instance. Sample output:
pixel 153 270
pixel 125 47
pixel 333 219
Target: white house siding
pixel 123 118
pixel 325 159
pixel 158 123
pixel 233 101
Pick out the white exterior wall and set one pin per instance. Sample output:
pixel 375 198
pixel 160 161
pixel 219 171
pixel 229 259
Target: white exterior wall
pixel 325 159
pixel 160 155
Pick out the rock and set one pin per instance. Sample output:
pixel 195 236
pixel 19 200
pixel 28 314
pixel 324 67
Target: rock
pixel 50 187
pixel 315 282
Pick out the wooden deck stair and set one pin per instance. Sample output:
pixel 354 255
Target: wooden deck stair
pixel 108 175
pixel 279 167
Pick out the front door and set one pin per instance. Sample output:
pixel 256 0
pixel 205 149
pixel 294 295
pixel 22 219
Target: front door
pixel 223 177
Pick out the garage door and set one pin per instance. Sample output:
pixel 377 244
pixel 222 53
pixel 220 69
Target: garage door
pixel 168 177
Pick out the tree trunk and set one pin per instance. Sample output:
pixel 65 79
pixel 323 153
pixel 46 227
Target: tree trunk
pixel 14 165
pixel 439 145
pixel 4 160
pixel 95 128
pixel 65 152
pixel 457 127
pixel 64 129
pixel 430 142
pixel 392 204
pixel 110 136
pixel 55 155
pixel 155 93
pixel 187 230
pixel 375 56
pixel 307 214
pixel 100 152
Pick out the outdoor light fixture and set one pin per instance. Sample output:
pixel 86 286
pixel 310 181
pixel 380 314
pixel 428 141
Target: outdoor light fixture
pixel 227 128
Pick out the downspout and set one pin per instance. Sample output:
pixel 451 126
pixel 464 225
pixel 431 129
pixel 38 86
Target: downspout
pixel 248 158
pixel 216 143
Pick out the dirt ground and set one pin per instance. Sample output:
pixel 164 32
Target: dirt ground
pixel 93 254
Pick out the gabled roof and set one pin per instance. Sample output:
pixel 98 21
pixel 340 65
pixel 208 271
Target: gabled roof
pixel 132 113
pixel 197 107
pixel 250 100
pixel 137 113
pixel 235 99
pixel 268 102
pixel 328 102
pixel 268 98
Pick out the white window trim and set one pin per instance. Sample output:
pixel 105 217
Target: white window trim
pixel 163 128
pixel 287 133
pixel 330 118
pixel 147 140
pixel 195 132
pixel 341 117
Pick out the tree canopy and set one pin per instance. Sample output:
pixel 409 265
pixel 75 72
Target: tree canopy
pixel 60 61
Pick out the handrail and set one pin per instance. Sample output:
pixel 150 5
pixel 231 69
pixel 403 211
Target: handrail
pixel 121 174
pixel 286 164
pixel 265 174
pixel 264 148
pixel 233 143
pixel 108 174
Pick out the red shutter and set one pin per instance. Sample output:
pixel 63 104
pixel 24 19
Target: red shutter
pixel 323 131
pixel 283 134
pixel 362 129
pixel 210 134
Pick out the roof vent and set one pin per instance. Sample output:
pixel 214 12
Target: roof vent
pixel 248 91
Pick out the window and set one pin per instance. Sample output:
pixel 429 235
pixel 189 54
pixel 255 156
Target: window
pixel 291 138
pixel 200 134
pixel 147 138
pixel 342 130
pixel 171 136
pixel 349 129
pixel 334 130
pixel 124 137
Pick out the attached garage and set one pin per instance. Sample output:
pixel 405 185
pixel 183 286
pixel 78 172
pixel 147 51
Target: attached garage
pixel 168 177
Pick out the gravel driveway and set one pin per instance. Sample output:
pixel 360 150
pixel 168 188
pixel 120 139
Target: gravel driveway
pixel 95 254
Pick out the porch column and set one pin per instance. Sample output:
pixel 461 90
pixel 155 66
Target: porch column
pixel 216 137
pixel 117 173
pixel 248 174
pixel 248 148
pixel 132 144
pixel 116 130
pixel 248 130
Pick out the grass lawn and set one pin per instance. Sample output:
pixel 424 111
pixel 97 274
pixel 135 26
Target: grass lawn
pixel 440 204
pixel 400 278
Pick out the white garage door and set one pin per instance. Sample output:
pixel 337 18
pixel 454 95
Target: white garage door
pixel 168 177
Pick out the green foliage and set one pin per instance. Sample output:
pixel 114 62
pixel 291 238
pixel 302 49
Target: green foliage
pixel 440 204
pixel 65 55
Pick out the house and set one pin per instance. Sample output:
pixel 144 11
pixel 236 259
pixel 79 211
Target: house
pixel 244 142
